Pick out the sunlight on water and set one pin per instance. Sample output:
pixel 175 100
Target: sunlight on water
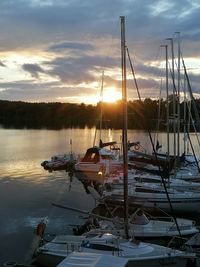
pixel 28 191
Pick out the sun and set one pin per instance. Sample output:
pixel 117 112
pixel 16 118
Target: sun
pixel 111 95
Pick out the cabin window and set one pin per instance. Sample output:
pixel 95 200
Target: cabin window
pixel 100 246
pixel 91 157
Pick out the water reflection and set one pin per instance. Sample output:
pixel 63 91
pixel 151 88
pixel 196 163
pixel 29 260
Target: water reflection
pixel 28 191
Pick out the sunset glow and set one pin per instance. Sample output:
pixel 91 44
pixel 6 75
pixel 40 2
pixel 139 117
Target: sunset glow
pixel 111 95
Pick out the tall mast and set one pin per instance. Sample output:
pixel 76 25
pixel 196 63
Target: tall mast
pixel 173 100
pixel 167 89
pixel 185 121
pixel 178 94
pixel 167 97
pixel 124 132
pixel 101 105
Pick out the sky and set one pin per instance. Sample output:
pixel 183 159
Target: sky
pixel 62 50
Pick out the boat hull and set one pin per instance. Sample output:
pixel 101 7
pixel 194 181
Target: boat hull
pixel 179 205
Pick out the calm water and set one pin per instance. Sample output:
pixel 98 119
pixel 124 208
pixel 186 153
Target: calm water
pixel 27 190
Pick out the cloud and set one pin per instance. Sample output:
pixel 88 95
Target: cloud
pixel 78 39
pixel 33 69
pixel 46 92
pixel 71 45
pixel 78 69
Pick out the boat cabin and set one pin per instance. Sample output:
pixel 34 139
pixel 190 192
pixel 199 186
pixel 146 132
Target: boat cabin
pixel 95 154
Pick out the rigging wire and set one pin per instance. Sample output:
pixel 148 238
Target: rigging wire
pixel 153 147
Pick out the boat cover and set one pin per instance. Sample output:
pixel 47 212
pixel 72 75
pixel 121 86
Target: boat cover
pixel 80 259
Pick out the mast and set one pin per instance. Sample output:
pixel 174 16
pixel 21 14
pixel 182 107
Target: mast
pixel 101 113
pixel 174 97
pixel 186 121
pixel 178 94
pixel 124 132
pixel 167 97
pixel 167 89
pixel 101 105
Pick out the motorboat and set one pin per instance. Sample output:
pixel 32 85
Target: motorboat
pixel 97 164
pixel 59 162
pixel 142 225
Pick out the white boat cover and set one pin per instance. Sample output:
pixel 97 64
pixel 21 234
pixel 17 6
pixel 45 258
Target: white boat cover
pixel 82 259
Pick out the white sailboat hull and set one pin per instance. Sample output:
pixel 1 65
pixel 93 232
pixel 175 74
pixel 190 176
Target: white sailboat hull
pixel 181 201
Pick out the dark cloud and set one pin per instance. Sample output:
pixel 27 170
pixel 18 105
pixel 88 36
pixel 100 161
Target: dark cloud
pixel 70 45
pixel 33 69
pixel 78 69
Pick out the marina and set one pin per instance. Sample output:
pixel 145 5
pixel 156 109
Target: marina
pixel 99 134
pixel 98 171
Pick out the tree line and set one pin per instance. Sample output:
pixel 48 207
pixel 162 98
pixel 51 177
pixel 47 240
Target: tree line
pixel 142 115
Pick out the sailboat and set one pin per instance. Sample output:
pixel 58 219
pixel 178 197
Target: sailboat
pixel 154 197
pixel 98 162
